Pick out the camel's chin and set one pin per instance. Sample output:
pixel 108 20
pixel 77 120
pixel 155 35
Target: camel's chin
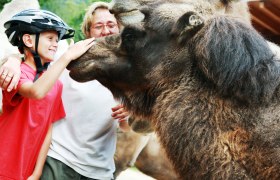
pixel 80 77
pixel 81 71
pixel 76 65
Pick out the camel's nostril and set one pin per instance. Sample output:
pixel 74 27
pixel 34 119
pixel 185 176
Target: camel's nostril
pixel 195 20
pixel 112 11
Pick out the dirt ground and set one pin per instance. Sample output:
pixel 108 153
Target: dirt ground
pixel 131 174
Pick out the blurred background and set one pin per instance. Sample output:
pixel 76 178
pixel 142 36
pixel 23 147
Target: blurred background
pixel 265 14
pixel 71 11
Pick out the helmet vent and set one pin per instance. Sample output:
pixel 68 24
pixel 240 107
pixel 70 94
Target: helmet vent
pixel 35 21
pixel 44 21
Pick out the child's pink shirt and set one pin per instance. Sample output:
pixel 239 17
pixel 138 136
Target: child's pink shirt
pixel 24 125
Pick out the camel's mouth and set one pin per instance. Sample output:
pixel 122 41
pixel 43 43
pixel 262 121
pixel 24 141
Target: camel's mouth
pixel 79 76
pixel 81 71
pixel 74 65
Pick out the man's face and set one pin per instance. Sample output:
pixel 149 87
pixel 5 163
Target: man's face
pixel 104 23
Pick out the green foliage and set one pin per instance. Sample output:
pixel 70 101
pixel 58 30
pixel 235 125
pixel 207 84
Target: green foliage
pixel 2 3
pixel 71 11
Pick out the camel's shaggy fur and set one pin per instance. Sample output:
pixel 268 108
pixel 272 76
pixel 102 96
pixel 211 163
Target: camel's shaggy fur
pixel 207 80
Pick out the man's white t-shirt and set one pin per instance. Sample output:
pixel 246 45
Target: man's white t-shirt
pixel 86 139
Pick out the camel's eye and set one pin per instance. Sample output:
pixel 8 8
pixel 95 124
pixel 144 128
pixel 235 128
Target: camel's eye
pixel 129 34
pixel 130 37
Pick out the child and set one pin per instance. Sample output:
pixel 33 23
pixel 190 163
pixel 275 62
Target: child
pixel 31 108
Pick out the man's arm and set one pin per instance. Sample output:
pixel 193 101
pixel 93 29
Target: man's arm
pixel 10 72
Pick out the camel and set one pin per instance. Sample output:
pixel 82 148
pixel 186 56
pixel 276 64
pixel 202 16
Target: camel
pixel 124 158
pixel 206 80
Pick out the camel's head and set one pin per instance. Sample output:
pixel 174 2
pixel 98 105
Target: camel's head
pixel 156 38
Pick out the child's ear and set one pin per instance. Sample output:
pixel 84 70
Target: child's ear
pixel 28 40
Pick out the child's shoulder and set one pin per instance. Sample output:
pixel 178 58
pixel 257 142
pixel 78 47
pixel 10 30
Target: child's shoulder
pixel 26 68
pixel 27 71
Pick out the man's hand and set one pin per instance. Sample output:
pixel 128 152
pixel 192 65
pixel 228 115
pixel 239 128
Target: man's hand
pixel 10 73
pixel 119 113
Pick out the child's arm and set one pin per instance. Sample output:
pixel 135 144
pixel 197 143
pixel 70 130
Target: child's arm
pixel 42 156
pixel 44 83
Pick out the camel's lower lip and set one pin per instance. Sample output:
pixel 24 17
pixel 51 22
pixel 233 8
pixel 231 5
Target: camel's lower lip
pixel 71 65
pixel 79 64
pixel 74 74
pixel 75 65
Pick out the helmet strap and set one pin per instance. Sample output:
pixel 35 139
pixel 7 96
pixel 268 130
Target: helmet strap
pixel 21 44
pixel 39 67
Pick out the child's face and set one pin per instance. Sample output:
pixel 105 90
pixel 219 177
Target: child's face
pixel 47 47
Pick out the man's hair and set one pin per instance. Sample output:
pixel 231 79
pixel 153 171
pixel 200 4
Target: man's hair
pixel 86 24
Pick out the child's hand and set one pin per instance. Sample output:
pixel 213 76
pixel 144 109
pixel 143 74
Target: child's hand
pixel 79 48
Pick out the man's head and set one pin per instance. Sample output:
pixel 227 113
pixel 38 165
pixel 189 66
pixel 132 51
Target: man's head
pixel 99 22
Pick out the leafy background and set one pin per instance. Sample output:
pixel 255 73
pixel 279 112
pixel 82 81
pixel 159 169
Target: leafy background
pixel 2 3
pixel 71 11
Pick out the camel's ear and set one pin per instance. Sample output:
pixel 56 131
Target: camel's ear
pixel 127 12
pixel 187 26
pixel 132 17
pixel 233 56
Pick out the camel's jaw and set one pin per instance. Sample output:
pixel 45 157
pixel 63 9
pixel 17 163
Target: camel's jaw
pixel 81 72
pixel 84 69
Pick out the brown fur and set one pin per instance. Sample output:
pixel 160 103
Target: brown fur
pixel 152 159
pixel 140 148
pixel 210 89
